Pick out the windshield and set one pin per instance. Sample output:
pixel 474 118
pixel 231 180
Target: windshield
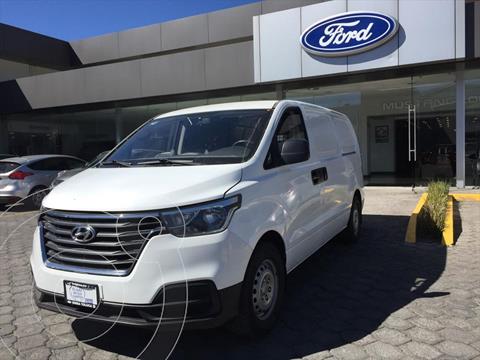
pixel 220 137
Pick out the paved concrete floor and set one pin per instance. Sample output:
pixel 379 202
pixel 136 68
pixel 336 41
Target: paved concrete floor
pixel 379 298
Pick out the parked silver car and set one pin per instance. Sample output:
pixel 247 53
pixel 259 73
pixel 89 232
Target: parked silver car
pixel 67 174
pixel 32 175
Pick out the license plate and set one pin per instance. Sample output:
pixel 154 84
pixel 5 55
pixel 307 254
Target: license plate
pixel 81 294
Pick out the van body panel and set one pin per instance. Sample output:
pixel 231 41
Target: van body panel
pixel 139 189
pixel 285 200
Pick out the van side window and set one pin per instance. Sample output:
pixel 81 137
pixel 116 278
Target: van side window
pixel 291 126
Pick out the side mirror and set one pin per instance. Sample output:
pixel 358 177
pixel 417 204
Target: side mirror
pixel 294 151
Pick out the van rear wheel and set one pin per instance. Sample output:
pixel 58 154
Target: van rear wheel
pixel 262 292
pixel 352 232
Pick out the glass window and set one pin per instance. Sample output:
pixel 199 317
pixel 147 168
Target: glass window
pixel 7 166
pixel 56 164
pixel 40 165
pixel 218 137
pixel 131 118
pixel 379 112
pixel 86 133
pixel 260 96
pixel 73 164
pixel 291 127
pixel 83 134
pixel 472 128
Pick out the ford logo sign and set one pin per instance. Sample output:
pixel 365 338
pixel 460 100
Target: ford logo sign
pixel 348 33
pixel 83 234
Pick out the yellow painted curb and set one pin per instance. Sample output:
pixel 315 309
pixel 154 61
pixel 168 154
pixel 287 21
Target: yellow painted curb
pixel 411 236
pixel 466 197
pixel 447 234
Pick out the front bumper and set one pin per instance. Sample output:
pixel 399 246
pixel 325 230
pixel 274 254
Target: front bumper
pixel 172 308
pixel 165 259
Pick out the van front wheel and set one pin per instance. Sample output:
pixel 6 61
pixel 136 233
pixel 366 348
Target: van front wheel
pixel 262 292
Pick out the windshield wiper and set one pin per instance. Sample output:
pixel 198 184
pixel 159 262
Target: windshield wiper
pixel 115 162
pixel 165 162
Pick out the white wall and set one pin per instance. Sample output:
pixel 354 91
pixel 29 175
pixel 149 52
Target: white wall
pixel 430 30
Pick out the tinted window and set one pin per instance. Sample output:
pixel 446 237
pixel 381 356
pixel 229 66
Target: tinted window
pixel 57 164
pixel 291 127
pixel 50 164
pixel 73 164
pixel 7 166
pixel 39 165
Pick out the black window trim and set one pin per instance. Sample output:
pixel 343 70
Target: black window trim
pixel 273 149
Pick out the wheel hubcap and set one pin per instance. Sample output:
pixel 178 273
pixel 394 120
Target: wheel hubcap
pixel 265 288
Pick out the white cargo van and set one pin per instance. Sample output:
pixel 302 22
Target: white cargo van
pixel 198 216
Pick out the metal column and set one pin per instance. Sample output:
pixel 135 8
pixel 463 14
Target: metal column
pixel 118 125
pixel 460 128
pixel 280 92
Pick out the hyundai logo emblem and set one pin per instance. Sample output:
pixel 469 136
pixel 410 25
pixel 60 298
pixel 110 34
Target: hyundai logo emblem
pixel 83 233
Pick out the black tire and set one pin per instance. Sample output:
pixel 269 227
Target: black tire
pixel 253 320
pixel 36 196
pixel 354 227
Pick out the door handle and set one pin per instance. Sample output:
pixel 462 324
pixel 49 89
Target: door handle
pixel 319 175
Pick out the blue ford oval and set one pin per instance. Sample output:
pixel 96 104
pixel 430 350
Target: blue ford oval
pixel 348 33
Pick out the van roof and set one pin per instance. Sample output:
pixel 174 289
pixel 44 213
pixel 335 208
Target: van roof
pixel 242 105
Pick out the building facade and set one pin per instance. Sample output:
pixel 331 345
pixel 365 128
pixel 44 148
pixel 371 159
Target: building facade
pixel 414 99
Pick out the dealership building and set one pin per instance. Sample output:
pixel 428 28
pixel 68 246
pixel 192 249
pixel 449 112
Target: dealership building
pixel 412 95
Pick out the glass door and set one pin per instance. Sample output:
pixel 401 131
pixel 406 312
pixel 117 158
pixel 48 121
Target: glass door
pixel 472 128
pixel 411 131
pixel 431 135
pixel 412 138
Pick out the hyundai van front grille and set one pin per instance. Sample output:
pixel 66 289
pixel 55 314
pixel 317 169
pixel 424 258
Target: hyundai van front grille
pixel 96 243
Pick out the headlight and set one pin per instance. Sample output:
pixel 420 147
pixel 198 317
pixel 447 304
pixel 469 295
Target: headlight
pixel 202 219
